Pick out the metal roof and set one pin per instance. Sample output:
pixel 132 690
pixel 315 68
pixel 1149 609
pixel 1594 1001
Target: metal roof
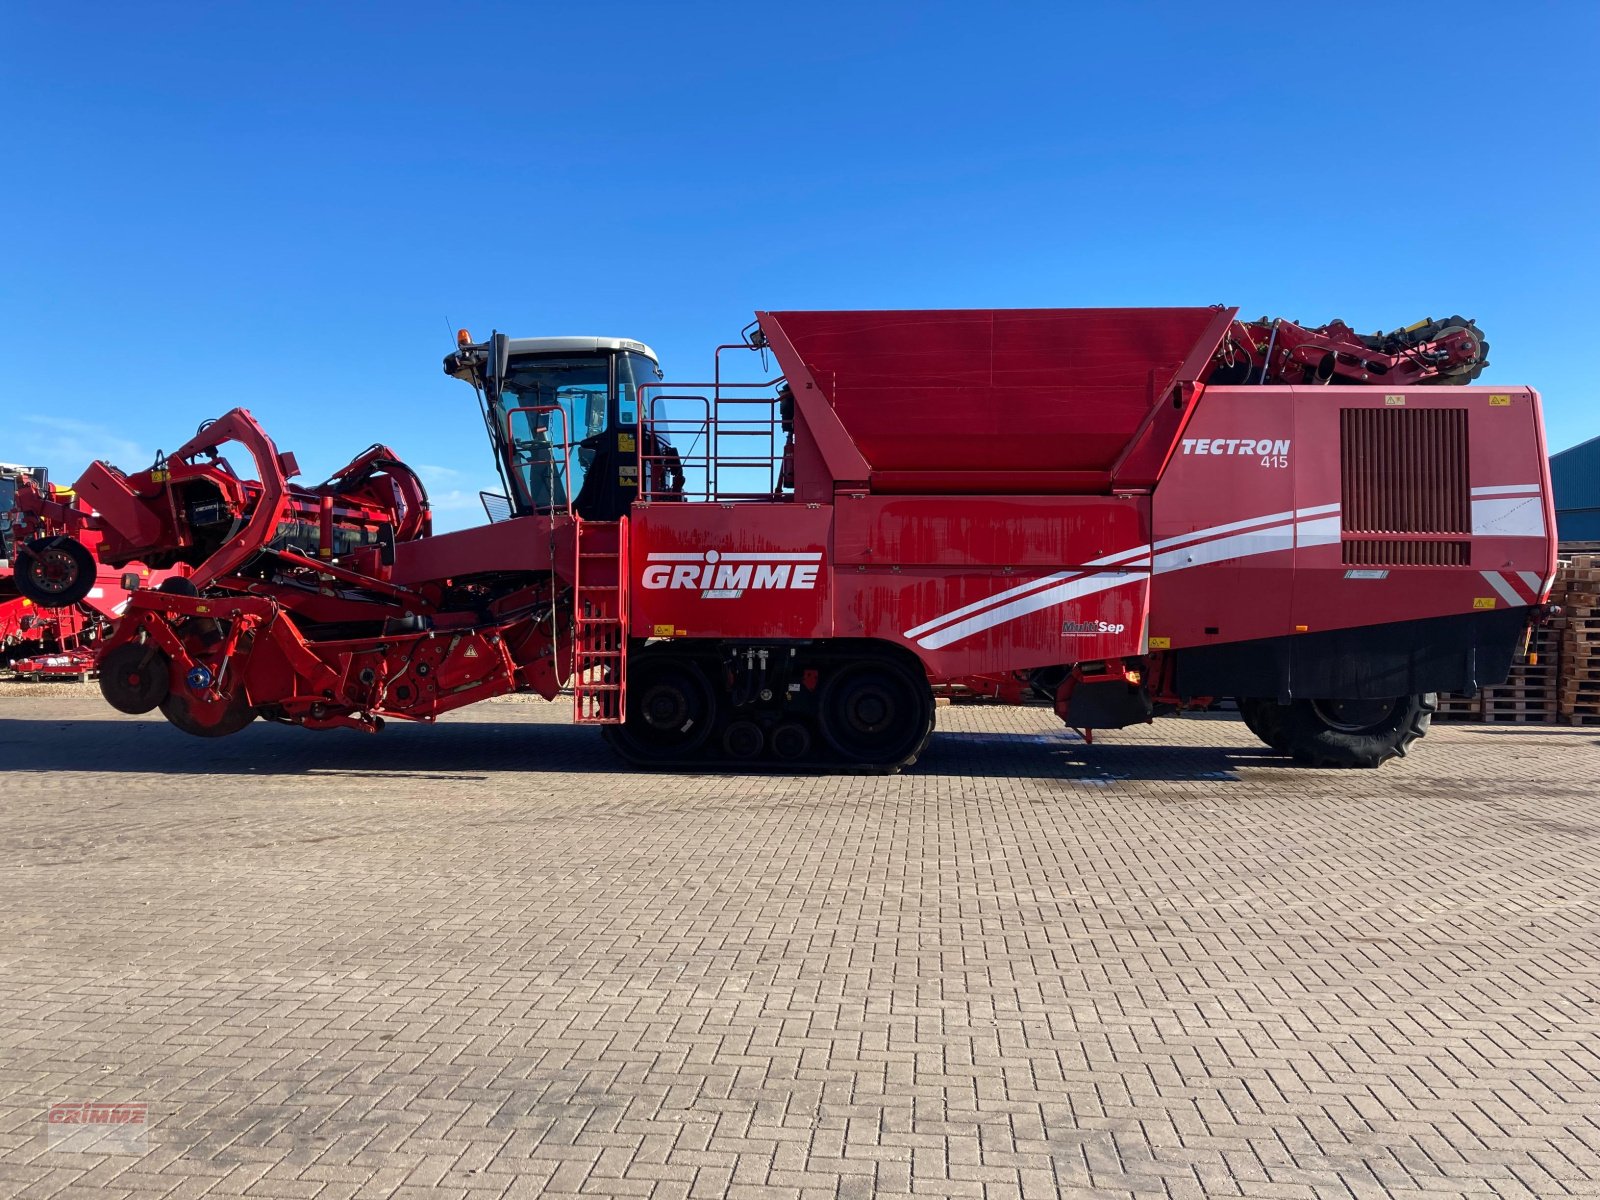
pixel 566 345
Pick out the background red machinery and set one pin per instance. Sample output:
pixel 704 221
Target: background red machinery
pixel 1116 512
pixel 67 636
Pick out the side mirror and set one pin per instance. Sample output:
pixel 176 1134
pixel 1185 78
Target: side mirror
pixel 499 358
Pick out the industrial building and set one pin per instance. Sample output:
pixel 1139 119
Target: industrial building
pixel 1575 480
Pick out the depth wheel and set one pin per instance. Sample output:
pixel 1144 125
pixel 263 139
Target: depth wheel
pixel 874 714
pixel 1356 733
pixel 235 716
pixel 670 707
pixel 55 572
pixel 134 678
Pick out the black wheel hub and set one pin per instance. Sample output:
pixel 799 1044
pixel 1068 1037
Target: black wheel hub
pixel 665 708
pixel 1352 716
pixel 744 740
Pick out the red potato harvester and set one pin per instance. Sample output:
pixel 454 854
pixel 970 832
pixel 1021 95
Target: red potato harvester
pixel 1115 512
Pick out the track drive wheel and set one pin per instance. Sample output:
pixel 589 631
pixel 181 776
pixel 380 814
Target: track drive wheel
pixel 55 572
pixel 1355 733
pixel 876 714
pixel 235 716
pixel 1263 716
pixel 134 678
pixel 670 709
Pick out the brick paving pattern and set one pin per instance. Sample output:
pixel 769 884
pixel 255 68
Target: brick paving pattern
pixel 483 960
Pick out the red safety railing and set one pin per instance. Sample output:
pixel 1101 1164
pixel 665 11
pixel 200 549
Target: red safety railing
pixel 725 441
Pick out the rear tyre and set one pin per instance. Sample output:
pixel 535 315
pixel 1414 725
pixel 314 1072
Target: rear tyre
pixel 1355 733
pixel 1264 718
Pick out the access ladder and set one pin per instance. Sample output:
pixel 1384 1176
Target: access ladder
pixel 600 623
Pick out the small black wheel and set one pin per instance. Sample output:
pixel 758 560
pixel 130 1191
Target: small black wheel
pixel 744 740
pixel 55 572
pixel 177 585
pixel 238 713
pixel 874 714
pixel 1356 733
pixel 791 741
pixel 1263 716
pixel 134 678
pixel 670 707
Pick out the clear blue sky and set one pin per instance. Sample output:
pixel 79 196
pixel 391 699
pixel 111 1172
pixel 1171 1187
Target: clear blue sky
pixel 287 206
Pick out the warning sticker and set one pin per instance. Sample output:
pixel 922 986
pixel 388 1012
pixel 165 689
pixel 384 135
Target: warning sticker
pixel 1496 401
pixel 1483 602
pixel 1159 643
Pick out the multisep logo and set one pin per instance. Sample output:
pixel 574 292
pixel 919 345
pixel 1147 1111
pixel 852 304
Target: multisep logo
pixel 1083 628
pixel 1263 447
pixel 726 576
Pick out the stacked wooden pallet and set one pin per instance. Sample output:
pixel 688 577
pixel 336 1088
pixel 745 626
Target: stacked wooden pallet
pixel 1528 696
pixel 1578 593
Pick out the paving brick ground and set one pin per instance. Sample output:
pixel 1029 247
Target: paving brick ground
pixel 482 960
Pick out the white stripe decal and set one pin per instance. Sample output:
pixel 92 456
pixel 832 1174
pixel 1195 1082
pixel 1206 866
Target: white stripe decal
pixel 1508 516
pixel 1071 590
pixel 1195 536
pixel 1535 584
pixel 1506 591
pixel 1235 539
pixel 1238 545
pixel 1122 556
pixel 1506 489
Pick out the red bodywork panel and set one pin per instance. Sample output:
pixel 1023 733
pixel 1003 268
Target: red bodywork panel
pixel 985 400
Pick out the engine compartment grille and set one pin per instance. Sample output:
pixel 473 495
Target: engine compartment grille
pixel 1406 498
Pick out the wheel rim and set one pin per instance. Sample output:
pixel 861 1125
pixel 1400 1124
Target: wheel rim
pixel 1352 716
pixel 791 741
pixel 743 740
pixel 872 713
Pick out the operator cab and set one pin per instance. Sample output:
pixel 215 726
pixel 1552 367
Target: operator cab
pixel 562 414
pixel 10 475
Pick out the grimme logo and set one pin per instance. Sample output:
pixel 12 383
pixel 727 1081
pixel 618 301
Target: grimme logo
pixel 1250 446
pixel 1080 628
pixel 726 576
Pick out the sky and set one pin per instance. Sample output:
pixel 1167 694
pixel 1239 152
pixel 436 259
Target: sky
pixel 289 207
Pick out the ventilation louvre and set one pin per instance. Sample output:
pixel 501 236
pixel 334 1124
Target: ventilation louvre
pixel 1406 497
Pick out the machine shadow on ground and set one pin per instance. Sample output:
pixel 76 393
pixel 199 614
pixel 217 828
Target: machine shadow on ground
pixel 478 749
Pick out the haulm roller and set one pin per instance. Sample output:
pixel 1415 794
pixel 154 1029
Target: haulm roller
pixel 1117 513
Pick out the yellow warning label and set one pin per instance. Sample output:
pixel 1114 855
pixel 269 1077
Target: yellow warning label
pixel 625 443
pixel 159 475
pixel 661 630
pixel 1499 401
pixel 1394 401
pixel 1483 602
pixel 1161 643
pixel 470 652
